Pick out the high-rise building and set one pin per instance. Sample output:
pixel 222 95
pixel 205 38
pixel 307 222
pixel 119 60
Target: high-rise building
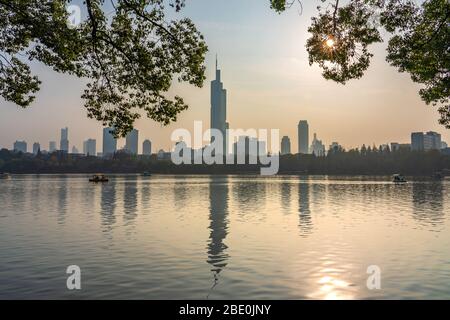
pixel 444 145
pixel 90 147
pixel 109 143
pixel 147 148
pixel 303 136
pixel 435 140
pixel 424 142
pixel 36 148
pixel 219 108
pixel 132 140
pixel 20 146
pixel 52 146
pixel 285 145
pixel 417 141
pixel 64 142
pixel 317 147
pixel 249 146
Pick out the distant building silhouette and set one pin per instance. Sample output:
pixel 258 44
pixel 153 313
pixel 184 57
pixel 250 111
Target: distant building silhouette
pixel 132 140
pixel 424 142
pixel 75 150
pixel 219 108
pixel 36 148
pixel 20 146
pixel 109 142
pixel 249 146
pixel 435 140
pixel 147 148
pixel 317 147
pixel 64 142
pixel 90 147
pixel 303 136
pixel 285 145
pixel 52 146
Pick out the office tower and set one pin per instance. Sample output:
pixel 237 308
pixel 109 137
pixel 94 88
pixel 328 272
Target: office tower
pixel 36 148
pixel 147 148
pixel 20 146
pixel 219 108
pixel 424 142
pixel 52 146
pixel 285 145
pixel 303 136
pixel 109 143
pixel 317 147
pixel 90 147
pixel 434 139
pixel 444 145
pixel 64 143
pixel 417 141
pixel 132 140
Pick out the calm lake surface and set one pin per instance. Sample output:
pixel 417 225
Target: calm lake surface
pixel 223 237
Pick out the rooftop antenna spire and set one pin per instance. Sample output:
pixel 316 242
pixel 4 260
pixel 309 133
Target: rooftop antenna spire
pixel 216 63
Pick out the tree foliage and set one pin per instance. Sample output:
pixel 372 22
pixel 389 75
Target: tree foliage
pixel 419 43
pixel 130 56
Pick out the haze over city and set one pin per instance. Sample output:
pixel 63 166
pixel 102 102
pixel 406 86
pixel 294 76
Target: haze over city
pixel 269 82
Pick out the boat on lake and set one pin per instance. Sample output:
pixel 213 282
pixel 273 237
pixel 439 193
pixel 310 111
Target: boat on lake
pixel 4 175
pixel 99 178
pixel 398 178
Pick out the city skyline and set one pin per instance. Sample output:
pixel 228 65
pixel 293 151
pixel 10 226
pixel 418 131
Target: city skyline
pixel 270 85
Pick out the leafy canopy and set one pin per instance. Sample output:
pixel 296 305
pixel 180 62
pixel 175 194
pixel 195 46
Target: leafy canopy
pixel 343 30
pixel 130 56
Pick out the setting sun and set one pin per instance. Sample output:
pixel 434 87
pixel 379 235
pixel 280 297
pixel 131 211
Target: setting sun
pixel 330 43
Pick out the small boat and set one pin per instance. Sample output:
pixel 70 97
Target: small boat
pixel 4 175
pixel 146 174
pixel 398 178
pixel 98 178
pixel 438 175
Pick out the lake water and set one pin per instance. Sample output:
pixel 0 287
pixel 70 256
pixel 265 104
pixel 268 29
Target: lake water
pixel 223 237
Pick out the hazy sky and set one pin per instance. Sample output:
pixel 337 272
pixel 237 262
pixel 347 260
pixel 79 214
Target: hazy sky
pixel 269 81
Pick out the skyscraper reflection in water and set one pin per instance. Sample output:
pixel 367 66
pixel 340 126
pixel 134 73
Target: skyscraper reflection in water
pixel 218 226
pixel 108 206
pixel 304 212
pixel 427 198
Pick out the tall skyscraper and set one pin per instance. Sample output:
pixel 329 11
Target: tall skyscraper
pixel 109 142
pixel 132 140
pixel 52 146
pixel 219 107
pixel 90 147
pixel 303 136
pixel 20 146
pixel 147 148
pixel 36 148
pixel 285 145
pixel 64 143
